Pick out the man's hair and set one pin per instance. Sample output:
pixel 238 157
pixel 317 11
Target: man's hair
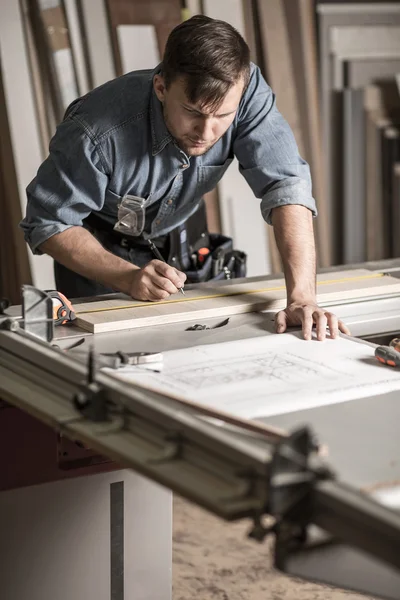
pixel 210 55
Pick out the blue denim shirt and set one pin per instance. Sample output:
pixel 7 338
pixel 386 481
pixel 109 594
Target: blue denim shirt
pixel 114 142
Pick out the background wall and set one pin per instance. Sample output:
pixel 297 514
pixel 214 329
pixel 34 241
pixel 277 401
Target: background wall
pixel 332 66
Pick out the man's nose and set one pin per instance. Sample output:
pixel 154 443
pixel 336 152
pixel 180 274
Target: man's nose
pixel 204 129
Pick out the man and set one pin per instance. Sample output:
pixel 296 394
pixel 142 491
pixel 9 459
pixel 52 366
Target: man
pixel 140 152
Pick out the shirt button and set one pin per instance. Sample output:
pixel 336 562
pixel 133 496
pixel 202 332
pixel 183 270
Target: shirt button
pixel 158 222
pixel 184 166
pixel 169 201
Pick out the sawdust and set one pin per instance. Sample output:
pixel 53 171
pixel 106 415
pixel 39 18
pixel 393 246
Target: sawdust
pixel 214 560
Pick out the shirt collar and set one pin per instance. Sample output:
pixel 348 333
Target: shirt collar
pixel 159 132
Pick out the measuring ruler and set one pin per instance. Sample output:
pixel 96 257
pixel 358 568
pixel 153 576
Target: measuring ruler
pixel 223 294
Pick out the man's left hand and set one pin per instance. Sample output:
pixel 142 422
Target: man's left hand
pixel 307 315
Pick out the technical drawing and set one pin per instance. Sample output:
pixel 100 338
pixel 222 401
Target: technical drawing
pixel 277 369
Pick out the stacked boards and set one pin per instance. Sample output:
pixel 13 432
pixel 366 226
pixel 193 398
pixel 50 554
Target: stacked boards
pixel 359 59
pixel 225 299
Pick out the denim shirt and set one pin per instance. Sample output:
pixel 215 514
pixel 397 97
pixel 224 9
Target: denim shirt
pixel 114 141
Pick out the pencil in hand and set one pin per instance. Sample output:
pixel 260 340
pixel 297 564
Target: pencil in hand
pixel 158 255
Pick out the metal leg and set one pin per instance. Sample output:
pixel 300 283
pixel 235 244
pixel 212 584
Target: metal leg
pixel 102 537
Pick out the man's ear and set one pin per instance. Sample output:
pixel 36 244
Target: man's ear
pixel 159 87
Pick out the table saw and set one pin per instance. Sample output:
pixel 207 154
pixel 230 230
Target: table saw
pixel 85 495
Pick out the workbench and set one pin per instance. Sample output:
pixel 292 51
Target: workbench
pixel 94 529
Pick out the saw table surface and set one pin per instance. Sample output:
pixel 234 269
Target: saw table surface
pixel 362 436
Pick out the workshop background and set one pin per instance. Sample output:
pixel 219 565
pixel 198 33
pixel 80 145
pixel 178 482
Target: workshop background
pixel 334 67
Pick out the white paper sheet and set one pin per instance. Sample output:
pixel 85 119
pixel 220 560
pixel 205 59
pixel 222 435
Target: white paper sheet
pixel 270 375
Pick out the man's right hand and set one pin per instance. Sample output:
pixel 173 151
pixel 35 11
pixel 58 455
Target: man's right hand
pixel 80 252
pixel 155 281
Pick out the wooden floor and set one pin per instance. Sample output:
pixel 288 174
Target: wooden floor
pixel 213 560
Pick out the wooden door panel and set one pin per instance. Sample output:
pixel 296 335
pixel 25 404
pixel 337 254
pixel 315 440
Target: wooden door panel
pixel 163 14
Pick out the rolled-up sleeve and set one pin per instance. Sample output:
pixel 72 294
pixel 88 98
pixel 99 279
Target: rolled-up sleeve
pixel 267 151
pixel 69 185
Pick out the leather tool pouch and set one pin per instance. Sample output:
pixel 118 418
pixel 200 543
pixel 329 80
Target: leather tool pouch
pixel 217 259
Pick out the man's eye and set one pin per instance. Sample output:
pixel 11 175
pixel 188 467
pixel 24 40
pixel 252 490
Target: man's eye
pixel 189 110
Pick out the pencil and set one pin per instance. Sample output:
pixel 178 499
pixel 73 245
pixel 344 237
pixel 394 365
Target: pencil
pixel 158 255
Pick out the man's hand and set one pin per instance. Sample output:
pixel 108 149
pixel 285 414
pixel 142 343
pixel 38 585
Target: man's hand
pixel 155 281
pixel 308 315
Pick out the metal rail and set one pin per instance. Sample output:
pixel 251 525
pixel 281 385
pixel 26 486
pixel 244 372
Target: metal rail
pixel 230 472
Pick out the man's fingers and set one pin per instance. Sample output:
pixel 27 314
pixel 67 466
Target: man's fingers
pixel 343 328
pixel 307 323
pixel 160 286
pixel 159 274
pixel 177 278
pixel 156 297
pixel 280 322
pixel 307 315
pixel 320 324
pixel 333 324
pixel 182 276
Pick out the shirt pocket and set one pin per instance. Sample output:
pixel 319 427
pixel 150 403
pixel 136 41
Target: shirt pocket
pixel 208 176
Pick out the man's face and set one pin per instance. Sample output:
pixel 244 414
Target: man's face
pixel 194 127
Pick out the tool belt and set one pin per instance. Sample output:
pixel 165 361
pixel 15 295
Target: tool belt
pixel 201 255
pixel 204 256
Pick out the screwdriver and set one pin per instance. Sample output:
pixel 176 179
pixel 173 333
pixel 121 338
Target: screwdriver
pixel 389 355
pixel 158 255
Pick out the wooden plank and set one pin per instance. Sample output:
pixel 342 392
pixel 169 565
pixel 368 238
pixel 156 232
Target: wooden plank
pixel 211 300
pixel 278 63
pixel 240 215
pixel 390 156
pixel 19 102
pixel 363 72
pixel 163 14
pixel 381 103
pixel 365 41
pixel 14 262
pixel 274 37
pixel 376 244
pixel 289 53
pixel 77 45
pixel 138 48
pixel 211 200
pixel 300 20
pixel 354 217
pixel 334 15
pixel 396 209
pixel 95 25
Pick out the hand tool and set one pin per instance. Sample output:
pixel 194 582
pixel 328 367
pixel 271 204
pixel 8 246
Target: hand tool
pixel 63 311
pixel 199 327
pixel 388 356
pixel 202 254
pixel 116 360
pixel 217 261
pixel 158 255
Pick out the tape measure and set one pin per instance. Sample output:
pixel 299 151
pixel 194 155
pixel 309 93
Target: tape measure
pixel 63 311
pixel 224 294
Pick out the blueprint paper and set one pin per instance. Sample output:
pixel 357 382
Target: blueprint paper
pixel 271 375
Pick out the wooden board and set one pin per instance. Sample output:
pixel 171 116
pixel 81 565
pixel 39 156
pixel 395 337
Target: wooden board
pixel 381 104
pixel 239 210
pixel 279 73
pixel 396 207
pixel 301 25
pixel 333 15
pixel 207 300
pixel 354 214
